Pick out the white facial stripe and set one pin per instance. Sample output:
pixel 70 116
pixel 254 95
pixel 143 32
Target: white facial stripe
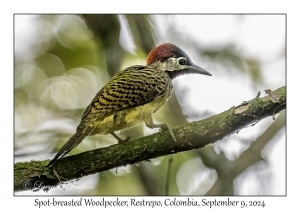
pixel 172 64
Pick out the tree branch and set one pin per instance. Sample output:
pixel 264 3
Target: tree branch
pixel 228 170
pixel 35 175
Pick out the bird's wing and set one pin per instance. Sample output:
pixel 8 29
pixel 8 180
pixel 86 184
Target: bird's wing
pixel 128 88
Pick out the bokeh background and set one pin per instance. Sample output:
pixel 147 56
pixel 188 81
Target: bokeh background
pixel 62 61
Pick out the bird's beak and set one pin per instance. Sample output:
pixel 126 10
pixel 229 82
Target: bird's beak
pixel 198 70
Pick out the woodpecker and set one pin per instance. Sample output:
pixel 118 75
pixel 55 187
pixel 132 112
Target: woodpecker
pixel 133 95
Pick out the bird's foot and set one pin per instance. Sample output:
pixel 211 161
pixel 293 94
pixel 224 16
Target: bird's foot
pixel 123 141
pixel 163 127
pixel 166 127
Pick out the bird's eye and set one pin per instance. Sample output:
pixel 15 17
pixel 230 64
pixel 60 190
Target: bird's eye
pixel 182 61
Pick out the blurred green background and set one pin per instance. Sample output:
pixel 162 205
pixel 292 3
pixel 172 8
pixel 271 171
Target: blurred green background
pixel 62 61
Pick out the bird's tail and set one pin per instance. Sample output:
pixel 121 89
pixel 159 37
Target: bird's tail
pixel 71 144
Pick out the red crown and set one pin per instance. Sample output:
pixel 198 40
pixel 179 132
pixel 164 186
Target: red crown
pixel 165 51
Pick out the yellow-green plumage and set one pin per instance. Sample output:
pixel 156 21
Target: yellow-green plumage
pixel 130 98
pixel 133 95
pixel 124 101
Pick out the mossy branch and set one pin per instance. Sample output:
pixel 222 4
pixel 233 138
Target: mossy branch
pixel 35 175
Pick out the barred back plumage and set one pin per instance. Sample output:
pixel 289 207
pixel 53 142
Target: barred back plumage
pixel 120 104
pixel 130 88
pixel 132 96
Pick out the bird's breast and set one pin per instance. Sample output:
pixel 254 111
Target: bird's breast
pixel 130 117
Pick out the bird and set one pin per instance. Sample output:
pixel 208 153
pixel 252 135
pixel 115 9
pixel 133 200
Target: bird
pixel 133 95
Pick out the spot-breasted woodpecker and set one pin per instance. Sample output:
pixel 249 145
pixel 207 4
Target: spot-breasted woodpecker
pixel 133 95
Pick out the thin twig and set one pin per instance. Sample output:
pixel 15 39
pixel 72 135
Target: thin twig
pixel 169 175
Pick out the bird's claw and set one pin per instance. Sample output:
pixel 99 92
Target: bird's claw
pixel 127 139
pixel 123 141
pixel 161 130
pixel 165 127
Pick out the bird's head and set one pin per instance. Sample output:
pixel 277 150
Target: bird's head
pixel 174 61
